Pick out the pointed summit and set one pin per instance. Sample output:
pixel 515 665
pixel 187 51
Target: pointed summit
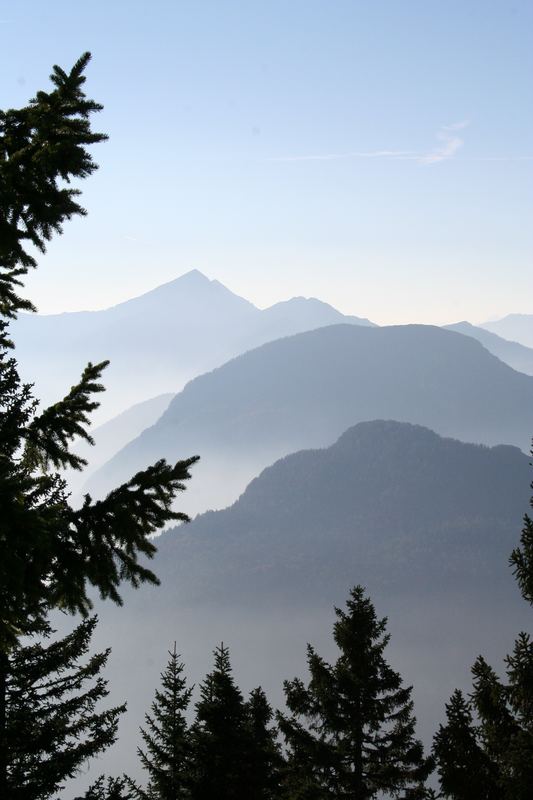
pixel 193 276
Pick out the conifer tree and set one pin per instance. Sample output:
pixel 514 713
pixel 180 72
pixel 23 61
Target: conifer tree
pixel 262 757
pixel 51 554
pixel 108 789
pixel 220 736
pixel 465 770
pixel 167 757
pixel 43 146
pixel 351 731
pixel 522 557
pixel 53 720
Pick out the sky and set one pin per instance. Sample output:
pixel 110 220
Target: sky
pixel 375 154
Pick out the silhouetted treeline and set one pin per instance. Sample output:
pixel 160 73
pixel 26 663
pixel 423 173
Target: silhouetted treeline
pixel 349 730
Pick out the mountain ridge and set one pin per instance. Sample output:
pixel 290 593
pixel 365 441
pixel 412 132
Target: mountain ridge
pixel 304 390
pixel 515 327
pixel 514 354
pixel 175 331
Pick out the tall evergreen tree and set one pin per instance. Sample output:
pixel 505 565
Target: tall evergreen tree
pixel 220 736
pixel 262 758
pixel 53 721
pixel 351 731
pixel 50 553
pixel 167 757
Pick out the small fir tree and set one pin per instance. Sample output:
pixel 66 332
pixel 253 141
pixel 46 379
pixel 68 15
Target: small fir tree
pixel 351 731
pixel 53 721
pixel 167 757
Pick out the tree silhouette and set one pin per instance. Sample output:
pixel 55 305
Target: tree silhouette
pixel 167 753
pixel 351 731
pixel 53 723
pixel 51 554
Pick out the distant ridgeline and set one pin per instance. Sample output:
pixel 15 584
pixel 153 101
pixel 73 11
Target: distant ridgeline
pixel 177 331
pixel 306 390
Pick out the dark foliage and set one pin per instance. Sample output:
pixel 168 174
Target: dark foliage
pixel 53 723
pixel 42 148
pixel 351 731
pixel 262 756
pixel 108 789
pixel 167 754
pixel 50 553
pixel 219 735
pixel 522 558
pixel 465 770
pixel 236 756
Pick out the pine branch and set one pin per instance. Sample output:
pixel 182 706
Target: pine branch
pixel 49 434
pixel 41 146
pixel 111 534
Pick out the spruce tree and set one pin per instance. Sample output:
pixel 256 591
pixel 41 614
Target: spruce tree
pixel 167 757
pixel 522 557
pixel 220 736
pixel 53 720
pixel 262 756
pixel 465 770
pixel 51 554
pixel 351 731
pixel 43 146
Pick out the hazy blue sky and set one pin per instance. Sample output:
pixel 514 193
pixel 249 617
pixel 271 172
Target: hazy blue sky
pixel 375 153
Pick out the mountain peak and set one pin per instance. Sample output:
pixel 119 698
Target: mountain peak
pixel 193 275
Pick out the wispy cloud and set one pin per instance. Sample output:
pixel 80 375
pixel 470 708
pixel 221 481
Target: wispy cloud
pixel 449 143
pixel 354 154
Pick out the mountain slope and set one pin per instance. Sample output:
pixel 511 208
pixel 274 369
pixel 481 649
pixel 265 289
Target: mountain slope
pixel 516 327
pixel 389 504
pixel 512 353
pixel 303 391
pixel 156 342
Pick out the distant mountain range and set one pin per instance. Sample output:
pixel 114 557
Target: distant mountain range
pixel 512 353
pixel 517 327
pixel 158 341
pixel 303 391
